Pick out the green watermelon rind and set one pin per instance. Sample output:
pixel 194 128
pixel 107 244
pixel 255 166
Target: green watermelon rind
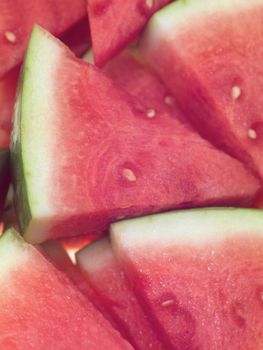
pixel 31 106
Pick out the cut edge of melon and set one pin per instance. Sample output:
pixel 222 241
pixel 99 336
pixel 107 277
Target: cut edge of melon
pixel 14 253
pixel 194 227
pixel 94 255
pixel 36 105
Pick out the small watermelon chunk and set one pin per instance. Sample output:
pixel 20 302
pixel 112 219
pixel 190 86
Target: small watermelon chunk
pixel 199 275
pixel 116 23
pixel 17 18
pixel 105 276
pixel 41 309
pixel 210 56
pixel 85 153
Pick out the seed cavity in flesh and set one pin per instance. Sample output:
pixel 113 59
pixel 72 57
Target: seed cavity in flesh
pixel 129 175
pixel 167 302
pixel 252 134
pixel 235 92
pixel 10 37
pixel 151 113
pixel 169 100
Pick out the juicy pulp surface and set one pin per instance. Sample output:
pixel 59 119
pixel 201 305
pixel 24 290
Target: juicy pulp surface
pixel 17 18
pixel 211 59
pixel 198 274
pixel 105 276
pixel 40 308
pixel 7 100
pixel 115 23
pixel 102 157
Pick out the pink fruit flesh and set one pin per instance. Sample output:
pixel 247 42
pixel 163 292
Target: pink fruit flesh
pixel 17 18
pixel 116 23
pixel 202 298
pixel 7 100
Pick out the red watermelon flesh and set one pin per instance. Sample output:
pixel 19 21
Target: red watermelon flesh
pixel 104 274
pixel 41 309
pixel 7 100
pixel 117 160
pixel 17 18
pixel 211 59
pixel 77 37
pixel 199 274
pixel 55 251
pixel 116 23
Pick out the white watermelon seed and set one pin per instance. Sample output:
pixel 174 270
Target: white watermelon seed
pixel 129 175
pixel 252 134
pixel 169 100
pixel 10 36
pixel 149 3
pixel 167 302
pixel 235 92
pixel 151 113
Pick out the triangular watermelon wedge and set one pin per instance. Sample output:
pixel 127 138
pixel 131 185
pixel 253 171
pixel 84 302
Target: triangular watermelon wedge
pixel 116 23
pixel 17 18
pixel 210 55
pixel 85 153
pixel 41 309
pixel 102 271
pixel 199 275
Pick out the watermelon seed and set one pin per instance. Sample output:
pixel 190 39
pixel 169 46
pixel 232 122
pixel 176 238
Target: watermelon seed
pixel 167 302
pixel 149 3
pixel 235 92
pixel 252 134
pixel 151 113
pixel 129 175
pixel 169 100
pixel 10 37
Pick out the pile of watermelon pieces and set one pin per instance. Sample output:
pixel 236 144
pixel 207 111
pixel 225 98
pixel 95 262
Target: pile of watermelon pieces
pixel 131 174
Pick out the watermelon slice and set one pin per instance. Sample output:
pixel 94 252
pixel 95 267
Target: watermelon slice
pixel 210 56
pixel 40 308
pixel 116 23
pixel 103 273
pixel 199 275
pixel 86 153
pixel 17 18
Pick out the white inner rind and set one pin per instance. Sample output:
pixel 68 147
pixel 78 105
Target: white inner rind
pixel 180 11
pixel 13 254
pixel 38 112
pixel 194 227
